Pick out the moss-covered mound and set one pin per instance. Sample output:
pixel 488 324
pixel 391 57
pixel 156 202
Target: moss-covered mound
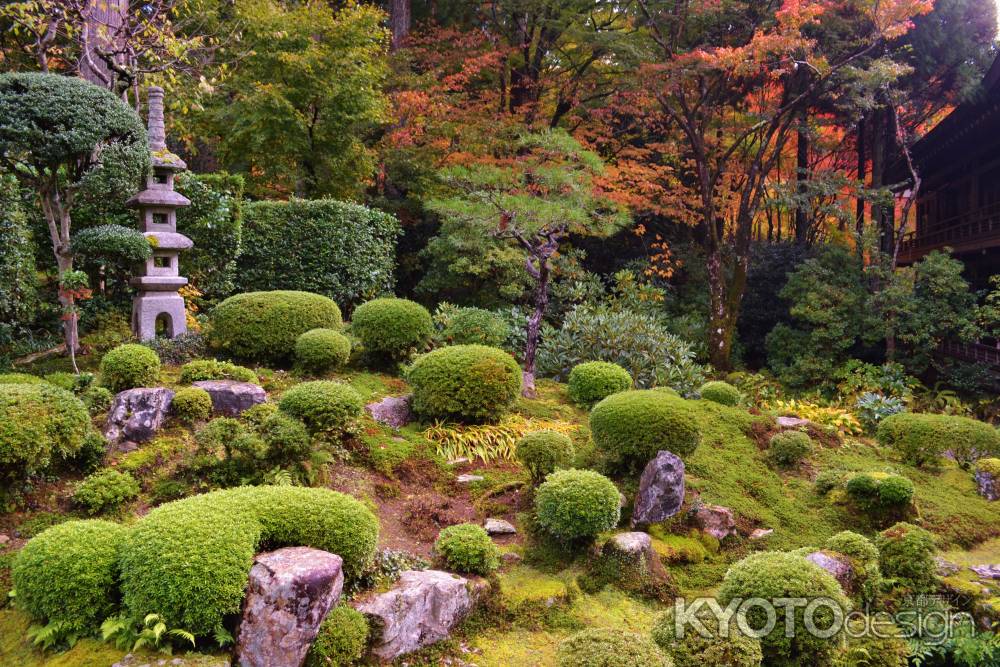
pixel 464 383
pixel 632 426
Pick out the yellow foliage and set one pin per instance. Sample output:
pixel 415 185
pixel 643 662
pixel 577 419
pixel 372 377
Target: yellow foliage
pixel 489 442
pixel 842 420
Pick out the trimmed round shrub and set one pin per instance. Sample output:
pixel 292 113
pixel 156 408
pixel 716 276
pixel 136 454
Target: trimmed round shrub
pixel 577 504
pixel 392 327
pixel 923 438
pixel 632 426
pixel 212 369
pixel 189 560
pixel 467 548
pixel 67 381
pixel 38 423
pixel 720 392
pixel 192 404
pixel 68 574
pixel 105 490
pixel 265 325
pixel 259 413
pixel 287 439
pixel 20 378
pixel 886 648
pixel 990 466
pixel 828 480
pixel 342 639
pixel 906 554
pixel 788 448
pixel 476 326
pixel 464 383
pixel 129 366
pixel 319 350
pixel 542 452
pixel 600 647
pixel 864 560
pixel 880 492
pixel 772 575
pixel 692 650
pixel 323 405
pixel 591 381
pixel 97 399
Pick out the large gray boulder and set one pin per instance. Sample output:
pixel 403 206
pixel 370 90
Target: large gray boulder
pixel 393 411
pixel 289 594
pixel 137 414
pixel 231 398
pixel 661 490
pixel 422 609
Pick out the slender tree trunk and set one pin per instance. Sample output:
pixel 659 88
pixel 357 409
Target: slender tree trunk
pixel 801 180
pixel 859 207
pixel 534 330
pixel 399 22
pixel 56 212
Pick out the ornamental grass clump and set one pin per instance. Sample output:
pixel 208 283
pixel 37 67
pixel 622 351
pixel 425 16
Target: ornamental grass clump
pixel 129 366
pixel 391 328
pixel 467 548
pixel 543 452
pixel 631 427
pixel 592 381
pixel 576 505
pixel 464 383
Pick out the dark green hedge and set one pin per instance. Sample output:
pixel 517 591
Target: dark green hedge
pixel 344 251
pixel 214 221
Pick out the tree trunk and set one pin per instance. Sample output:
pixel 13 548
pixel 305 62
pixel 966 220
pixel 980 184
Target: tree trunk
pixel 399 22
pixel 534 329
pixel 801 179
pixel 71 334
pixel 859 207
pixel 721 323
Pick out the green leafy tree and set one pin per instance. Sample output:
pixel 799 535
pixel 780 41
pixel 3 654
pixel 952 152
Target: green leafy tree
pixel 537 191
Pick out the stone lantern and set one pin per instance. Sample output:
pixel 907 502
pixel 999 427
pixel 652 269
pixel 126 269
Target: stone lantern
pixel 157 307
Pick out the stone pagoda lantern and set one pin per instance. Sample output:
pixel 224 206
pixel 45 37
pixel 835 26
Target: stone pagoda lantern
pixel 158 308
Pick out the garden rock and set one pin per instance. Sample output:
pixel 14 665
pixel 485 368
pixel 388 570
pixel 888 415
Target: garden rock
pixel 988 484
pixel 628 561
pixel 289 594
pixel 838 565
pixel 661 490
pixel 394 411
pixel 791 422
pixel 421 610
pixel 761 533
pixel 987 571
pixel 945 568
pixel 137 414
pixel 231 398
pixel 715 520
pixel 468 479
pixel 499 527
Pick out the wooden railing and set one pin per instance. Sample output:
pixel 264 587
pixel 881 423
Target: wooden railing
pixel 976 229
pixel 978 353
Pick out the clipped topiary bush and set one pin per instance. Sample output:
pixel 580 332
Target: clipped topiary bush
pixel 773 575
pixel 38 423
pixel 265 325
pixel 464 383
pixel 730 649
pixel 788 448
pixel 189 560
pixel 105 491
pixel 720 392
pixel 69 573
pixel 319 350
pixel 192 404
pixel 475 326
pixel 542 452
pixel 212 369
pixel 600 647
pixel 923 438
pixel 632 426
pixel 864 561
pixel 392 328
pixel 576 505
pixel 592 381
pixel 342 639
pixel 97 399
pixel 882 494
pixel 906 554
pixel 129 366
pixel 467 548
pixel 323 405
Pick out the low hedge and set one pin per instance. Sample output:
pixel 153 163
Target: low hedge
pixel 213 369
pixel 542 452
pixel 129 366
pixel 265 325
pixel 464 383
pixel 924 438
pixel 323 405
pixel 38 424
pixel 319 350
pixel 631 427
pixel 467 547
pixel 880 493
pixel 392 328
pixel 20 378
pixel 601 647
pixel 720 392
pixel 592 381
pixel 576 505
pixel 189 560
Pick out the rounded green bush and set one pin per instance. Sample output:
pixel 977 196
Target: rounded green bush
pixel 38 423
pixel 880 493
pixel 69 572
pixel 97 399
pixel 788 448
pixel 323 405
pixel 20 378
pixel 342 639
pixel 577 504
pixel 772 575
pixel 591 381
pixel 906 554
pixel 319 350
pixel 189 560
pixel 392 327
pixel 129 366
pixel 924 438
pixel 265 325
pixel 67 381
pixel 105 490
pixel 734 649
pixel 864 560
pixel 475 326
pixel 467 548
pixel 600 647
pixel 990 466
pixel 542 452
pixel 720 392
pixel 464 383
pixel 287 439
pixel 192 404
pixel 633 426
pixel 212 369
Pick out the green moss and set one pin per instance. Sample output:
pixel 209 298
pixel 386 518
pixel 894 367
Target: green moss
pixel 524 585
